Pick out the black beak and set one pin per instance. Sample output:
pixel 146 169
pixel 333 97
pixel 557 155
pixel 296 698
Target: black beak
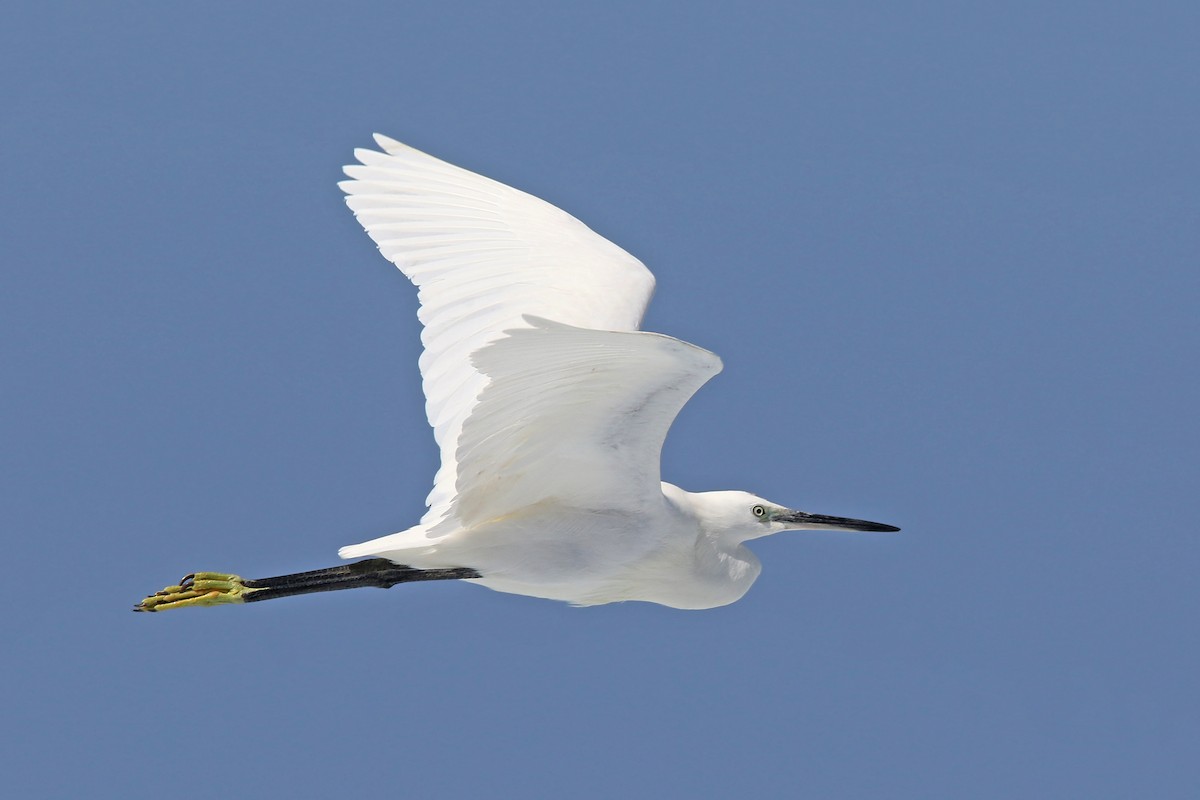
pixel 836 523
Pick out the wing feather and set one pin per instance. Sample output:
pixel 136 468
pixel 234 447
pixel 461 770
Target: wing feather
pixel 483 255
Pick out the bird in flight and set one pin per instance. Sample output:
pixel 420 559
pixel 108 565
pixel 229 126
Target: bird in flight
pixel 549 407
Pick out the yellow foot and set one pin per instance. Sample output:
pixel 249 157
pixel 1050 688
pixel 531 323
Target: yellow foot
pixel 197 589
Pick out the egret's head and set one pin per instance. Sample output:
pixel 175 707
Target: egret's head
pixel 743 516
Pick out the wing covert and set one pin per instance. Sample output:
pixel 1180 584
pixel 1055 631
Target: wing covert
pixel 574 415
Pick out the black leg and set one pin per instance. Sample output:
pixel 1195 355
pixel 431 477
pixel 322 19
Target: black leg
pixel 218 588
pixel 374 572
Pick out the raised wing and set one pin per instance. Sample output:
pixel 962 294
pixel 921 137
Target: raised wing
pixel 573 415
pixel 483 255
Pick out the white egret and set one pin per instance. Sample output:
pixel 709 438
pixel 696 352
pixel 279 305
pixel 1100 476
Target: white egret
pixel 549 406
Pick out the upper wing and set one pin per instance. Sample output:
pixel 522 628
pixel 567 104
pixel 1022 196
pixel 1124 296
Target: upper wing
pixel 482 255
pixel 574 415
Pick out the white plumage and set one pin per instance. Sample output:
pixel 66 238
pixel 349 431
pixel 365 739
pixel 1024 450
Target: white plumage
pixel 549 406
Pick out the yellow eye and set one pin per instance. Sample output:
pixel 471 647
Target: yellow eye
pixel 759 511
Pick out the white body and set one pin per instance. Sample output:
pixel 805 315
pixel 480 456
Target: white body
pixel 662 554
pixel 549 406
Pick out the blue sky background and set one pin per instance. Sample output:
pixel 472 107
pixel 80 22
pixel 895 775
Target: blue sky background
pixel 949 254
